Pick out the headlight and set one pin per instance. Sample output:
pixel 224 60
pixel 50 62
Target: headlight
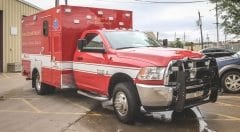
pixel 151 73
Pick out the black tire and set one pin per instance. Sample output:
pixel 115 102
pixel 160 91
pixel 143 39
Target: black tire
pixel 129 94
pixel 229 85
pixel 41 88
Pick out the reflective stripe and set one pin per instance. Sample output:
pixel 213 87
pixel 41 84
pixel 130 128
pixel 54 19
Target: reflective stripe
pixel 108 70
pixel 47 62
pixel 92 68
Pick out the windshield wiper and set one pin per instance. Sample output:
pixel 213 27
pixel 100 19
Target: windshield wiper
pixel 153 46
pixel 125 48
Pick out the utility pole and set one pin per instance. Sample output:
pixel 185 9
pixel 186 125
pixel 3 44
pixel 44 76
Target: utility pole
pixel 200 26
pixel 184 36
pixel 208 38
pixel 157 35
pixel 225 38
pixel 217 24
pixel 175 36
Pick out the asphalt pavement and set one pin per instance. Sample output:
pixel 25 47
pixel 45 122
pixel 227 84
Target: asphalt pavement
pixel 22 110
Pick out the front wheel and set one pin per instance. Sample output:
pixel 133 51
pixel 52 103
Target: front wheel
pixel 126 103
pixel 231 82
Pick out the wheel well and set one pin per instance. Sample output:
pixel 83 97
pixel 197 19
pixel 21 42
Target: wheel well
pixel 117 78
pixel 234 69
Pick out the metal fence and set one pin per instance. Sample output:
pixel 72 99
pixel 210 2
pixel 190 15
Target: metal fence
pixel 230 46
pixel 234 47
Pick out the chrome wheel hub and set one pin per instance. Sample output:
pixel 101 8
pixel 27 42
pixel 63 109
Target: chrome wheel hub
pixel 121 103
pixel 232 82
pixel 38 83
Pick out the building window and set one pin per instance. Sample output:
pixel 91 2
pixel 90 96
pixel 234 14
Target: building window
pixel 45 28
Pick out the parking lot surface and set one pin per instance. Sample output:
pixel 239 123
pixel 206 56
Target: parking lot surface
pixel 22 110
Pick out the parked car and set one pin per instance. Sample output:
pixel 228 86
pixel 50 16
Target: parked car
pixel 229 71
pixel 216 52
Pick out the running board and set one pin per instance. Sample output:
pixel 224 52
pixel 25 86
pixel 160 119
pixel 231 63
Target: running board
pixel 93 96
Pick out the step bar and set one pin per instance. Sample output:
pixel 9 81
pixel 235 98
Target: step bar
pixel 93 96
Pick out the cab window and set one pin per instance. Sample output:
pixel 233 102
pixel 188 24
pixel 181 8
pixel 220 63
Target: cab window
pixel 93 41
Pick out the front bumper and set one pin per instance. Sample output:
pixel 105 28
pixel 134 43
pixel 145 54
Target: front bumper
pixel 155 95
pixel 160 97
pixel 186 85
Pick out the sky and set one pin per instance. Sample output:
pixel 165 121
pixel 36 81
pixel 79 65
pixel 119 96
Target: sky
pixel 169 20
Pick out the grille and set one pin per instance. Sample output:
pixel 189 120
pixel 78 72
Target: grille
pixel 199 76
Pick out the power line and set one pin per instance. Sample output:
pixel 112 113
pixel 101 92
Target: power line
pixel 171 2
pixel 156 2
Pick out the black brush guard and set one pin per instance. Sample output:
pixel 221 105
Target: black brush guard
pixel 190 76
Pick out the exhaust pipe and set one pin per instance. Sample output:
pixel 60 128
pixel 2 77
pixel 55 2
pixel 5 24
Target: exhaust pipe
pixel 66 2
pixel 57 2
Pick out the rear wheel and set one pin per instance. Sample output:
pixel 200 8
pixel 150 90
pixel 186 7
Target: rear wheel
pixel 126 103
pixel 231 82
pixel 41 88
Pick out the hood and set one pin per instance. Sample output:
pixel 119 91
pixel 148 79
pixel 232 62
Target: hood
pixel 230 60
pixel 227 58
pixel 157 56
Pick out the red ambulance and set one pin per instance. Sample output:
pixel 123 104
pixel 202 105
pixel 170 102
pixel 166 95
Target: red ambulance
pixel 96 51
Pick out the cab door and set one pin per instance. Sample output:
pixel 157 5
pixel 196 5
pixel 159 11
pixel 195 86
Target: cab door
pixel 90 66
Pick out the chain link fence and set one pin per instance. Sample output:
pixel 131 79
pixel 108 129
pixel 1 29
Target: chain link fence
pixel 231 46
pixel 234 47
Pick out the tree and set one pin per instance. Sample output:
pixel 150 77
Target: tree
pixel 229 11
pixel 177 44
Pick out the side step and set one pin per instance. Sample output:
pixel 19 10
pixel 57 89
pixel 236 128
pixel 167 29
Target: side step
pixel 93 96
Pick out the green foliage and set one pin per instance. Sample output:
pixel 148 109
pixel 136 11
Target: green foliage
pixel 230 13
pixel 177 44
pixel 189 44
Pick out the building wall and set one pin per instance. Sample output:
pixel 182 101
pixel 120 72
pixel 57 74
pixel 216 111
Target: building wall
pixel 13 10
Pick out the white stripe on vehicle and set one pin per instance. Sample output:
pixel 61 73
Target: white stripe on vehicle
pixel 47 62
pixel 92 68
pixel 102 69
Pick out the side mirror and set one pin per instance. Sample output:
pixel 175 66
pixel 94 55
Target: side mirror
pixel 165 42
pixel 81 43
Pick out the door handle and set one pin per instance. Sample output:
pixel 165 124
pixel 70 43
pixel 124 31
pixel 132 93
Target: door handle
pixel 79 58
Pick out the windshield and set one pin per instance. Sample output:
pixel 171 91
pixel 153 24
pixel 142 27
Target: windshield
pixel 128 39
pixel 237 54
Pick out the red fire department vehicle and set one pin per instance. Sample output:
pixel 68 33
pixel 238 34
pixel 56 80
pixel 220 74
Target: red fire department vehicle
pixel 96 51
